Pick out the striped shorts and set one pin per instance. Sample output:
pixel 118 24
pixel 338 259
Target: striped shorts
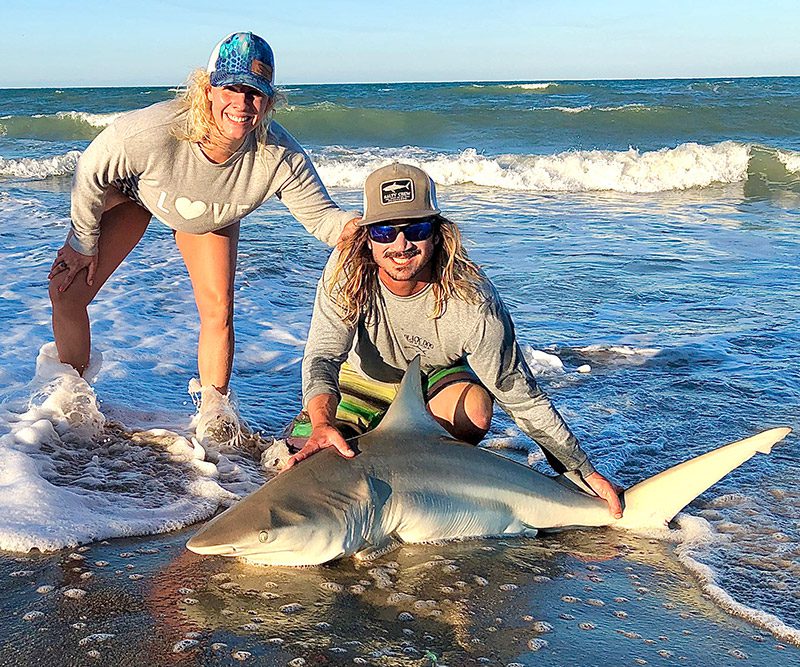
pixel 364 400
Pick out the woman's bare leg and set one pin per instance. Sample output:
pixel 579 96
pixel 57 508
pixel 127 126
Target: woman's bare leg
pixel 211 261
pixel 121 227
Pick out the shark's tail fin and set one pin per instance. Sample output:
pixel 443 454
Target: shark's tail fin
pixel 655 501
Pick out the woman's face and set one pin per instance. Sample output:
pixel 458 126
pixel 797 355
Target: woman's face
pixel 237 110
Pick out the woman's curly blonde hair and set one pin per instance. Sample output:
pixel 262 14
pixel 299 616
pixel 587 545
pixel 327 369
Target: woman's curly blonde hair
pixel 199 122
pixel 353 285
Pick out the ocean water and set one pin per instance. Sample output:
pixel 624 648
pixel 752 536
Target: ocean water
pixel 646 229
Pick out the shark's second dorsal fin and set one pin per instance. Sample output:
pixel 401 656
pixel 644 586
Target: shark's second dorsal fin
pixel 407 411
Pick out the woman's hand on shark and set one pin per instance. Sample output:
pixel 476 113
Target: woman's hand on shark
pixel 321 437
pixel 603 488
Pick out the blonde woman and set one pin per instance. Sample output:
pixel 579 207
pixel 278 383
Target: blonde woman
pixel 199 164
pixel 402 286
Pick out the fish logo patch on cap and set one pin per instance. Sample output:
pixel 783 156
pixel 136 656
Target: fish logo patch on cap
pixel 396 191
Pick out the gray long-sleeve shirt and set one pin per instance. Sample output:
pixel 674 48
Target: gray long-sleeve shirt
pixel 382 346
pixel 140 155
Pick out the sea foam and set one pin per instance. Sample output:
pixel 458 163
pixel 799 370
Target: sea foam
pixel 70 477
pixel 33 168
pixel 695 535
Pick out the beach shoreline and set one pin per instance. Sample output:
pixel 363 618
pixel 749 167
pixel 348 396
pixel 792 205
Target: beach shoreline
pixel 590 598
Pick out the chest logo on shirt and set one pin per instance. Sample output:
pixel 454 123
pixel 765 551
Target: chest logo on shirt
pixel 190 209
pixel 419 344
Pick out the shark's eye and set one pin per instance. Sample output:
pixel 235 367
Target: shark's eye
pixel 262 536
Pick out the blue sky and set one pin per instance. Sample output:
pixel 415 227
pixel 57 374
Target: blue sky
pixel 144 42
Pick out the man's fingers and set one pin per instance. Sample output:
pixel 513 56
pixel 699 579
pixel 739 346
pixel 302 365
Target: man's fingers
pixel 614 505
pixel 302 454
pixel 611 498
pixel 603 488
pixel 313 445
pixel 309 449
pixel 347 232
pixel 344 449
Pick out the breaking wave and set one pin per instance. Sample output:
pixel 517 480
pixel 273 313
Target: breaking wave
pixel 64 125
pixel 686 166
pixel 59 165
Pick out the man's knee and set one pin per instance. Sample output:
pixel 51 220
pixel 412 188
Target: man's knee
pixel 478 406
pixel 464 409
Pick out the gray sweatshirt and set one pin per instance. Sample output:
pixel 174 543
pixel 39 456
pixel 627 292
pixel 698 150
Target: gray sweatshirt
pixel 382 346
pixel 139 154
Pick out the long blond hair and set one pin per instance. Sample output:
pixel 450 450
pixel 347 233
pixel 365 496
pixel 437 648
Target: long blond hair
pixel 199 122
pixel 353 285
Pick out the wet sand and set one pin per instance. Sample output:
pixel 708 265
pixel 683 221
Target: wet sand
pixel 582 597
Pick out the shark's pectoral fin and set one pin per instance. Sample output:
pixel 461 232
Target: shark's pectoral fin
pixel 372 551
pixel 378 542
pixel 379 490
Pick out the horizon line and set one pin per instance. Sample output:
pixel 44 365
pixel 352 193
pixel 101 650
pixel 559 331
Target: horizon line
pixel 368 83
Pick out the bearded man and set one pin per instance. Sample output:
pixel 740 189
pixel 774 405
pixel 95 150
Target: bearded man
pixel 402 285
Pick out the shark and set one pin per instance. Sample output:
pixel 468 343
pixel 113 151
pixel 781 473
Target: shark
pixel 394 187
pixel 412 482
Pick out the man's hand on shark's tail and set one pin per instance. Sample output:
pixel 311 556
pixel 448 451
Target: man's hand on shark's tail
pixel 605 489
pixel 321 437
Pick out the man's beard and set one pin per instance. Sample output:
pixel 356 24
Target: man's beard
pixel 401 273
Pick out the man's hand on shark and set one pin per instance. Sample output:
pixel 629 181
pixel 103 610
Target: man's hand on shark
pixel 603 488
pixel 321 437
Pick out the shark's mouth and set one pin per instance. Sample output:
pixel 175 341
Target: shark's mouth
pixel 212 549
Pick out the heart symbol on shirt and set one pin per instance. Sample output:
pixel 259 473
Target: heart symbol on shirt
pixel 190 209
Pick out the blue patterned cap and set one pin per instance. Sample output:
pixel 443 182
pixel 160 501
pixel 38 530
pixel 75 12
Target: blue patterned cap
pixel 243 59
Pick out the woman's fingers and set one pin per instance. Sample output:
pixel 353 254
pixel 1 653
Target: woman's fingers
pixel 91 271
pixel 71 273
pixel 71 262
pixel 58 267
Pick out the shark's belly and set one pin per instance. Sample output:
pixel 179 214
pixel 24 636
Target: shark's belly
pixel 427 517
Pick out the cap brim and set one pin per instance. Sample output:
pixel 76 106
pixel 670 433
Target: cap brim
pixel 242 79
pixel 406 215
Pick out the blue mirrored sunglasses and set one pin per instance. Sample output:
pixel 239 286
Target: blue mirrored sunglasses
pixel 416 231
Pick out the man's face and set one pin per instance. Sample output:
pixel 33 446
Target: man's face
pixel 403 260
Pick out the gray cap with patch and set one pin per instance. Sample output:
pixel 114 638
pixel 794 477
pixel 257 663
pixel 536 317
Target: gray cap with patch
pixel 397 192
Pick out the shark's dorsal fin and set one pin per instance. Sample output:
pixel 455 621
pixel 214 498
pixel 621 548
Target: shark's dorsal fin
pixel 407 411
